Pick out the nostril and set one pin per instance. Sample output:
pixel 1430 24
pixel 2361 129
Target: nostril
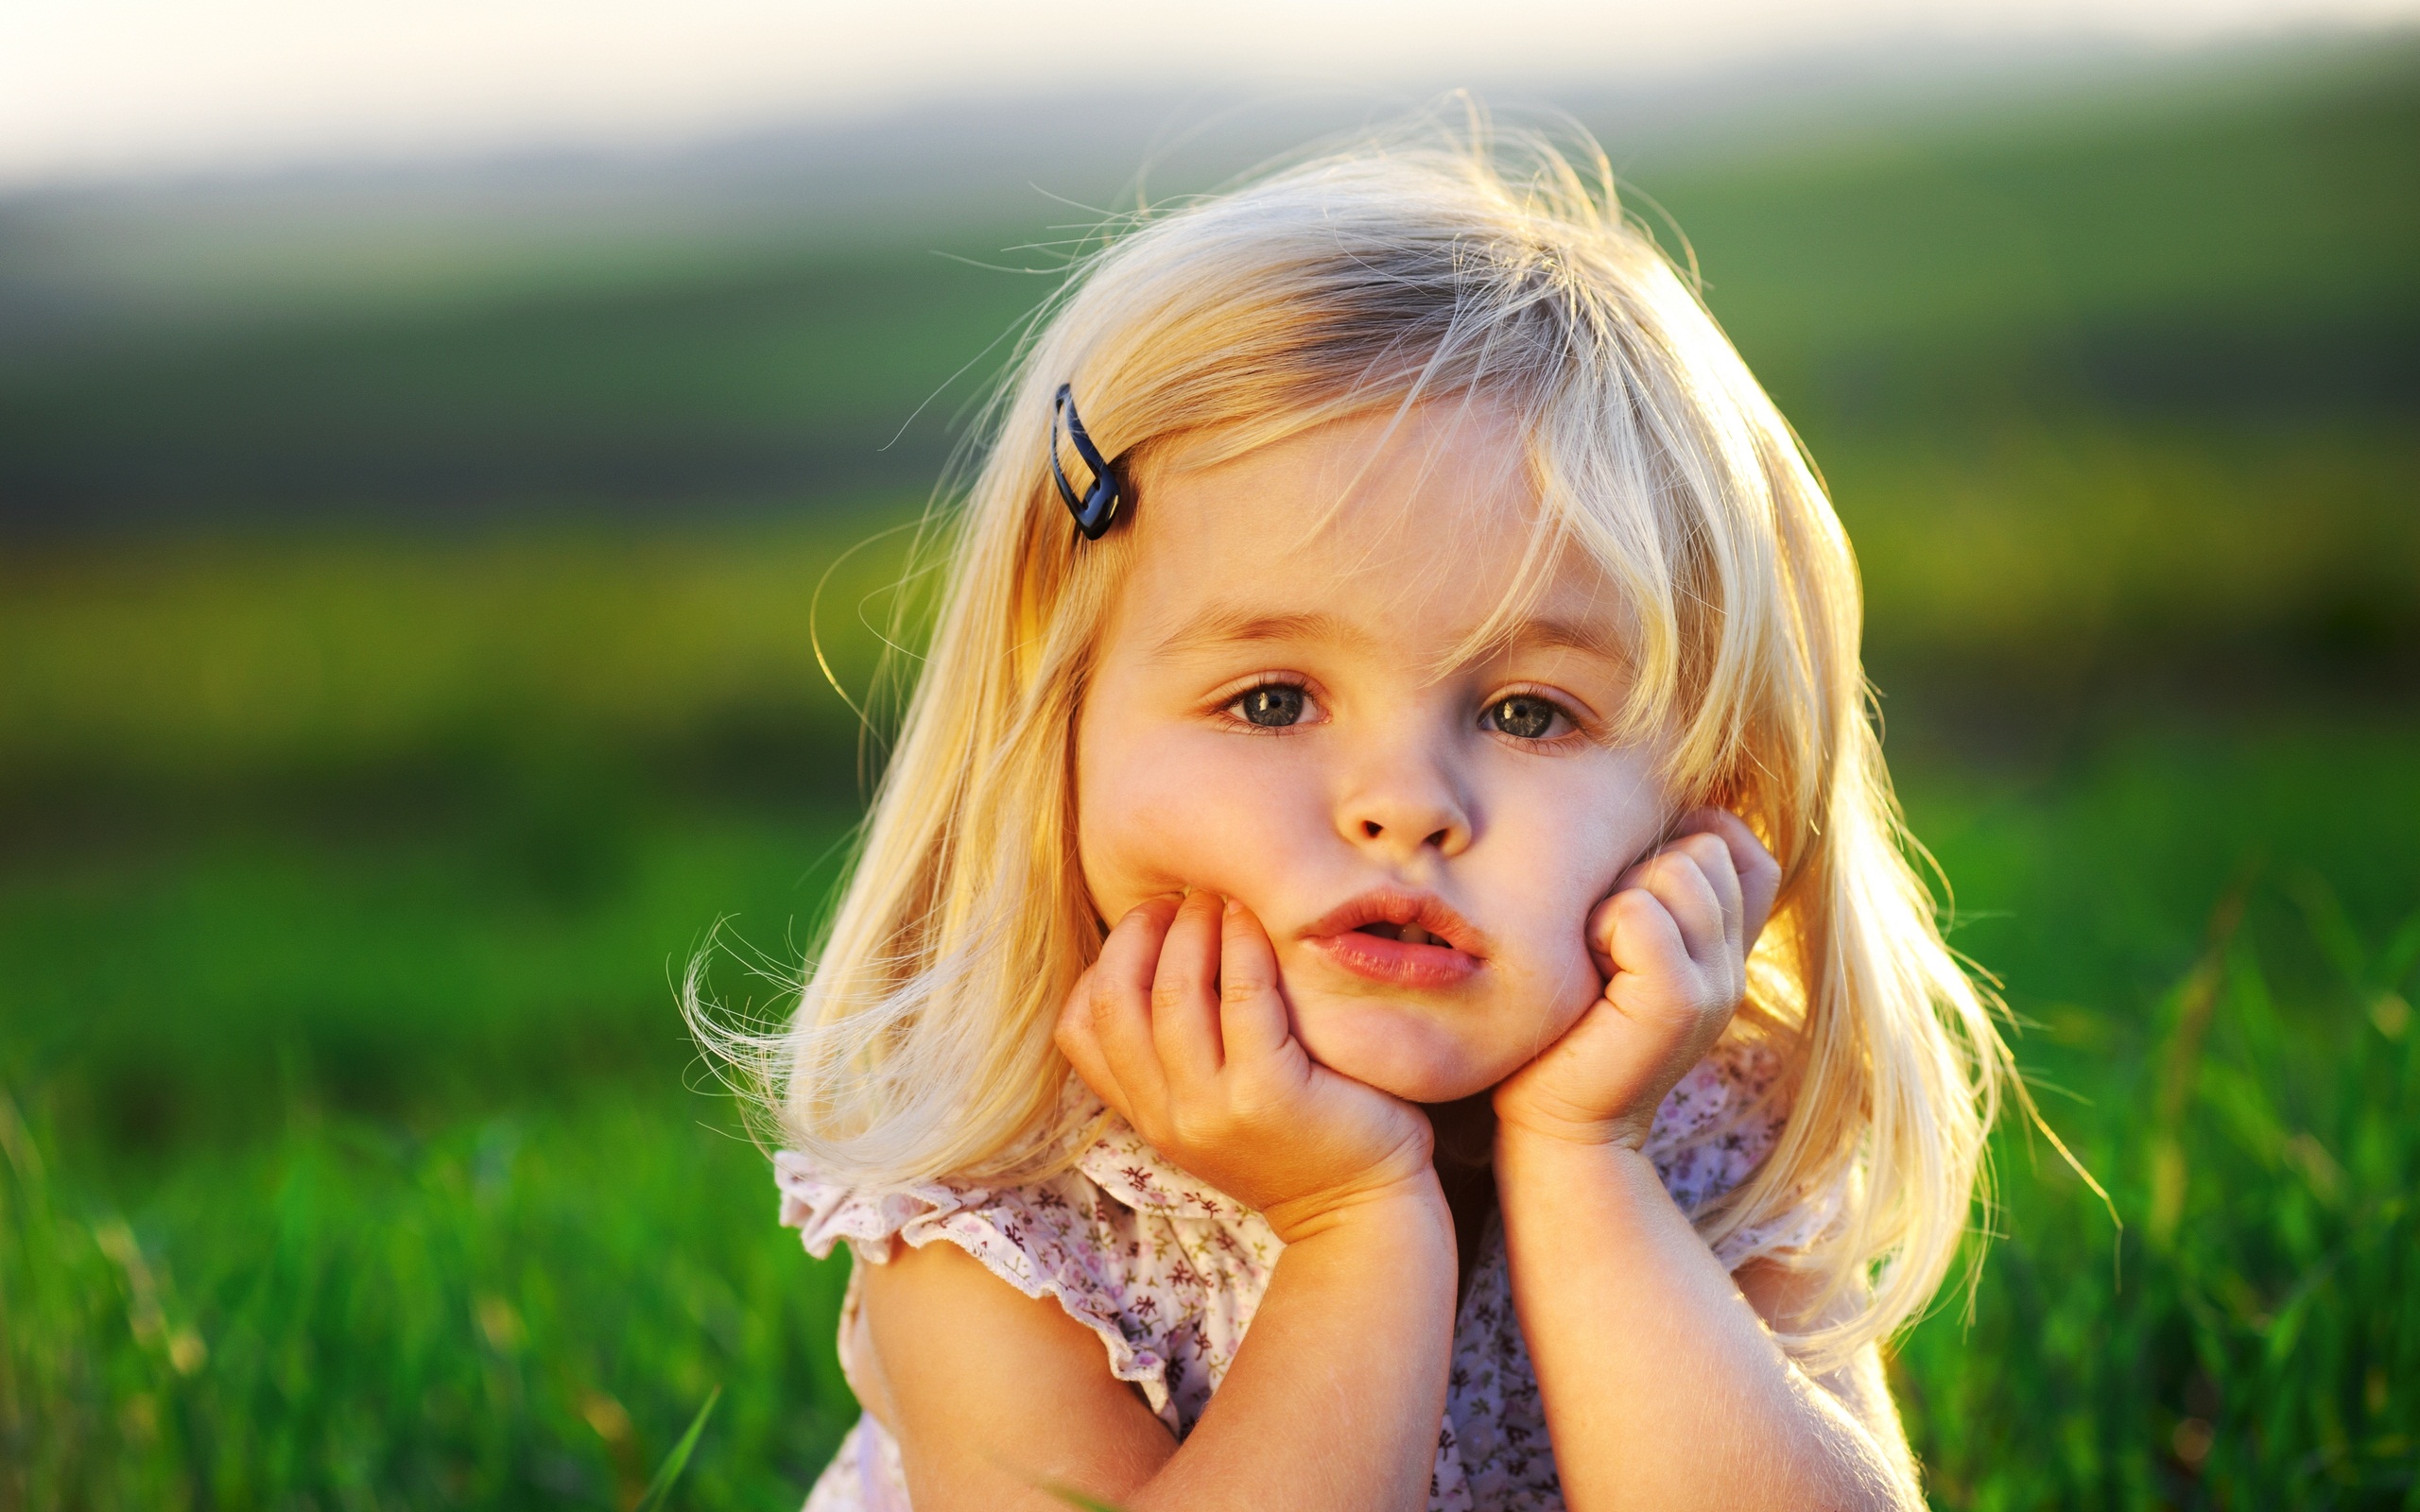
pixel 1439 838
pixel 1372 829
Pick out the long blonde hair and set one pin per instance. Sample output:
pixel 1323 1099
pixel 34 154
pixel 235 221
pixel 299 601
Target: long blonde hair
pixel 1434 264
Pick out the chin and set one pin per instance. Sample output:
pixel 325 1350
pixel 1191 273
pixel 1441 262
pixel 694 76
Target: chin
pixel 1399 1051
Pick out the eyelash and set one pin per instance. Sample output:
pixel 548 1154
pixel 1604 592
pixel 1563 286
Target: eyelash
pixel 1226 706
pixel 1580 732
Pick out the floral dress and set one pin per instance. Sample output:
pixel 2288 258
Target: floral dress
pixel 1167 1272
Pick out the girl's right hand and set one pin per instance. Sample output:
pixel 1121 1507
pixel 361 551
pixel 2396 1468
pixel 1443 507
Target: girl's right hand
pixel 1181 1028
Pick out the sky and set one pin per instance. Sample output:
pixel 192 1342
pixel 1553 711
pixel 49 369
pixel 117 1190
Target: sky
pixel 99 90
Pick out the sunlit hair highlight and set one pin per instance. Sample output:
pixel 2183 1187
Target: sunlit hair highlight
pixel 1436 265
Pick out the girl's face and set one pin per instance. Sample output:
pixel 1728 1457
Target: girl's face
pixel 1268 721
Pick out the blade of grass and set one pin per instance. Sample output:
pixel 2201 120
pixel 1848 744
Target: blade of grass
pixel 659 1489
pixel 2394 962
pixel 2197 998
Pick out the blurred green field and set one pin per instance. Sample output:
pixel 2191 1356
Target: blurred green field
pixel 395 695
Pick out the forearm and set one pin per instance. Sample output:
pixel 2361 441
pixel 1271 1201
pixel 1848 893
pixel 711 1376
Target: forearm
pixel 1663 1387
pixel 1335 1397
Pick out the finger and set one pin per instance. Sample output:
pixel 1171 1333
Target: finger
pixel 1641 939
pixel 1078 1041
pixel 1132 952
pixel 1251 1012
pixel 1600 920
pixel 1600 933
pixel 1121 1008
pixel 1712 855
pixel 1677 877
pixel 1185 992
pixel 1759 873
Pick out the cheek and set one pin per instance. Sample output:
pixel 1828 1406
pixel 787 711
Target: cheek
pixel 1560 847
pixel 1158 812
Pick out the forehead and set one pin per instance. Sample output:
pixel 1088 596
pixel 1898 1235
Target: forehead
pixel 1407 529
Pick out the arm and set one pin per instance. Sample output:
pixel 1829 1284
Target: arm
pixel 1662 1382
pixel 1663 1385
pixel 1335 1397
pixel 1785 1299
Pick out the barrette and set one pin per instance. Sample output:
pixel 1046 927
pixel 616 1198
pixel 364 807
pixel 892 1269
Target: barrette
pixel 1099 505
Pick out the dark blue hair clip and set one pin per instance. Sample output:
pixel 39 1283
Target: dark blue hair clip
pixel 1099 505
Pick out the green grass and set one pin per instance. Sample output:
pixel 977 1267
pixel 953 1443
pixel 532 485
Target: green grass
pixel 363 1168
pixel 177 662
pixel 169 991
pixel 2248 1340
pixel 520 1310
pixel 2216 951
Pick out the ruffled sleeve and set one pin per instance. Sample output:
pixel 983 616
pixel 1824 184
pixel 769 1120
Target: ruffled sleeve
pixel 1114 1262
pixel 827 1214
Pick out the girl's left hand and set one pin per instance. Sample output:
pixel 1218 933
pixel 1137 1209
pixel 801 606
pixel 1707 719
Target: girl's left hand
pixel 1672 942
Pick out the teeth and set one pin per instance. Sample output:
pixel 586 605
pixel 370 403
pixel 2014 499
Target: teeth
pixel 1414 935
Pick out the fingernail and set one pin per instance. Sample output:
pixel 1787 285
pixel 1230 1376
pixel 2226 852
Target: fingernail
pixel 1234 908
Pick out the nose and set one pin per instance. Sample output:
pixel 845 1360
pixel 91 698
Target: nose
pixel 1404 803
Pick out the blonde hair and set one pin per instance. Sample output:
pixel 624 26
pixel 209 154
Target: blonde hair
pixel 1438 262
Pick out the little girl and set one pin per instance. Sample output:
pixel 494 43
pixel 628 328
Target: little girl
pixel 1382 974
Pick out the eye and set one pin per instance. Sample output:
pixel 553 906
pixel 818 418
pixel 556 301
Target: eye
pixel 1523 717
pixel 1273 705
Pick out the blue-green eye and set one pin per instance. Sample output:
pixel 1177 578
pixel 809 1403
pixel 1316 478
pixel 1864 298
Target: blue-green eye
pixel 1523 717
pixel 1273 705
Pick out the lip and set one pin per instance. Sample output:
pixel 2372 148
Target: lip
pixel 1461 952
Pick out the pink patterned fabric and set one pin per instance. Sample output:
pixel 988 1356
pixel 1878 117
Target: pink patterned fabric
pixel 1169 1271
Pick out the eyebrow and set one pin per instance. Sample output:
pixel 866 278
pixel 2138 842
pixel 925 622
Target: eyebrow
pixel 1229 626
pixel 1575 635
pixel 1226 625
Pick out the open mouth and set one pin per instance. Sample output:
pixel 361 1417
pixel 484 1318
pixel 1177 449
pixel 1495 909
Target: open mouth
pixel 1401 939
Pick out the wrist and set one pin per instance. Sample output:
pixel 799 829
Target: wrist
pixel 1627 1130
pixel 1563 1203
pixel 1529 1159
pixel 1414 1203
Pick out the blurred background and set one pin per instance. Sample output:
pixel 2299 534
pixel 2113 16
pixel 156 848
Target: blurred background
pixel 424 434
